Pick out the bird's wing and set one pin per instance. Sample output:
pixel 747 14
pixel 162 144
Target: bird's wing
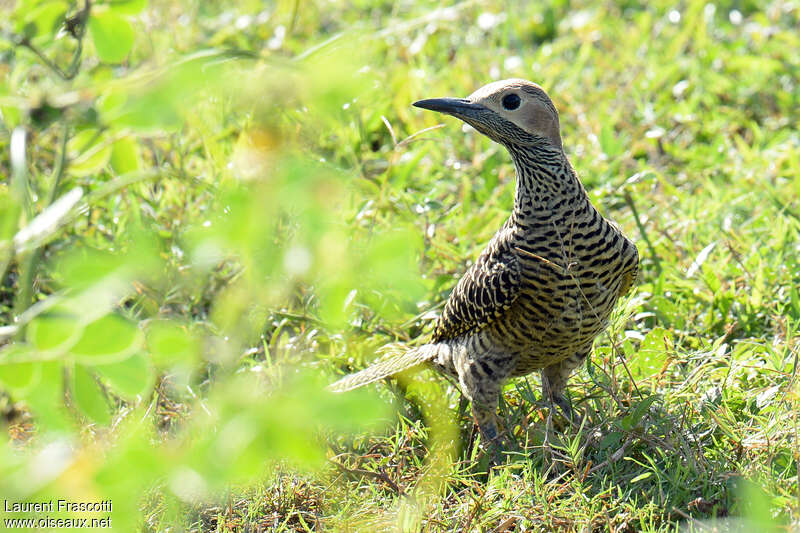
pixel 485 292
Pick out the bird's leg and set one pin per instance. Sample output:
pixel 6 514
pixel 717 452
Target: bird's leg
pixel 553 384
pixel 486 417
pixel 481 373
pixel 484 410
pixel 554 381
pixel 484 391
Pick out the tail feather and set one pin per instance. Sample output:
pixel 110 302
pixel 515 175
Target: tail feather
pixel 395 362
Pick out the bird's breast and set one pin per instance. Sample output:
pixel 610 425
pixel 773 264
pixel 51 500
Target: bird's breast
pixel 568 290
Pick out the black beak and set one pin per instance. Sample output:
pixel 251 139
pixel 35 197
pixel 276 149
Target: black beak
pixel 458 107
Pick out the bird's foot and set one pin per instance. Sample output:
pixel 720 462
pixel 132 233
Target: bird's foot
pixel 563 405
pixel 493 445
pixel 566 409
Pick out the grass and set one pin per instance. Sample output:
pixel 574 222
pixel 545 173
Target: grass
pixel 681 120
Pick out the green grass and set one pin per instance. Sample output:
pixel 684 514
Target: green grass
pixel 275 208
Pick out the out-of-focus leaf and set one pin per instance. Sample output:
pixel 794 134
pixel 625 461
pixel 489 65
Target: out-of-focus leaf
pixel 757 507
pixel 170 343
pixel 127 7
pixel 17 374
pixel 110 338
pixel 112 35
pixel 12 115
pixel 391 259
pixel 129 378
pixel 111 101
pixel 333 296
pixel 160 103
pixel 135 462
pixel 45 397
pixel 137 258
pixel 88 152
pixel 47 17
pixel 88 396
pixel 250 424
pixel 389 266
pixel 54 331
pixel 125 155
pixel 84 266
pixel 153 109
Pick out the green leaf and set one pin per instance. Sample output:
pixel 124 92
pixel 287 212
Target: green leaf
pixel 170 343
pixel 88 396
pixel 111 101
pixel 612 439
pixel 129 378
pixel 16 374
pixel 134 258
pixel 12 116
pixel 652 353
pixel 52 332
pixel 757 506
pixel 125 155
pixel 46 398
pixel 47 17
pixel 127 7
pixel 88 152
pixel 633 419
pixel 160 103
pixel 110 338
pixel 83 267
pixel 112 35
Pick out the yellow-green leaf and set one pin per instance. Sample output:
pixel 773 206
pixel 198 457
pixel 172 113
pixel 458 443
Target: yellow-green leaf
pixel 112 35
pixel 107 339
pixel 129 378
pixel 128 7
pixel 47 17
pixel 125 155
pixel 88 152
pixel 88 397
pixel 53 332
pixel 16 372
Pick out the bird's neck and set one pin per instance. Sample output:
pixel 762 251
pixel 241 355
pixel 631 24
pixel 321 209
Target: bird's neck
pixel 546 183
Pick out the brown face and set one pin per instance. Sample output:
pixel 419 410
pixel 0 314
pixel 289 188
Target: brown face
pixel 522 103
pixel 509 111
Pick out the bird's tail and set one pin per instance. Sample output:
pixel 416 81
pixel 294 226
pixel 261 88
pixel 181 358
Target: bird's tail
pixel 396 360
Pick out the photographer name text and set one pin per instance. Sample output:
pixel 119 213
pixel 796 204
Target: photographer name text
pixel 58 506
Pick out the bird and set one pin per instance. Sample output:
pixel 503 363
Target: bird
pixel 545 285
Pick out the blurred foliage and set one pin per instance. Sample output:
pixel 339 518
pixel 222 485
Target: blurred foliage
pixel 104 322
pixel 210 210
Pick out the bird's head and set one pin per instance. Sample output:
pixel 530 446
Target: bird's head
pixel 511 111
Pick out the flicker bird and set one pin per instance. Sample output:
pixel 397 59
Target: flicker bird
pixel 546 283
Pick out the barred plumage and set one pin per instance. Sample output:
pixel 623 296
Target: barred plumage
pixel 545 285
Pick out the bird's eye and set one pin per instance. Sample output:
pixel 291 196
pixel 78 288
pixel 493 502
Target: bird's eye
pixel 511 101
